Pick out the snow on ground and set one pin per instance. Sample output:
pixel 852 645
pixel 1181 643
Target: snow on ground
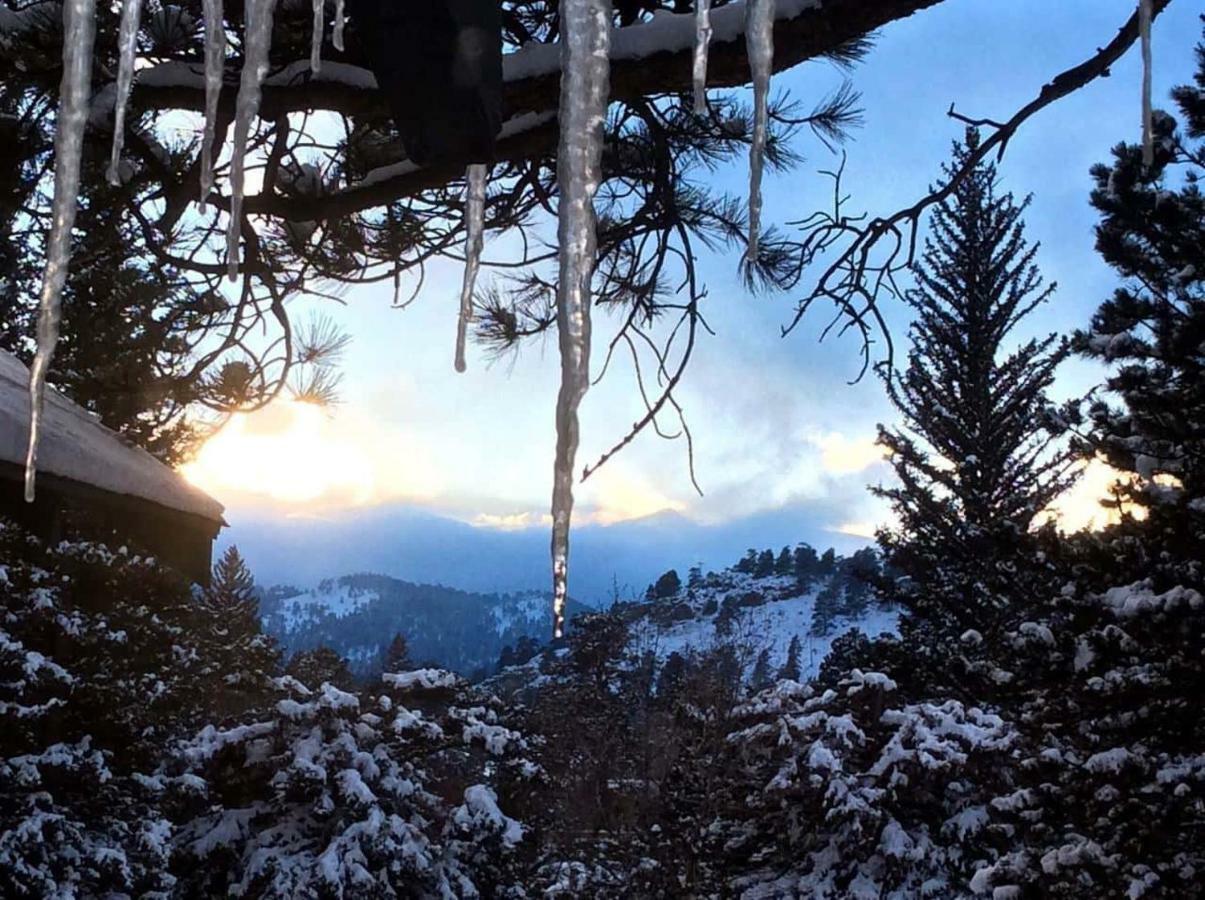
pixel 519 610
pixel 786 613
pixel 331 598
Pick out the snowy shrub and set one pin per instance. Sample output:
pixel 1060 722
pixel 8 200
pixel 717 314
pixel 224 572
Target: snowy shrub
pixel 95 668
pixel 333 794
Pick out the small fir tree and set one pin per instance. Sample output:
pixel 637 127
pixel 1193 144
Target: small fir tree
pixel 975 464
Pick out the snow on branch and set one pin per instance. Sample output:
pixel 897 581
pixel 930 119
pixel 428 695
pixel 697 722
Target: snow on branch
pixel 648 59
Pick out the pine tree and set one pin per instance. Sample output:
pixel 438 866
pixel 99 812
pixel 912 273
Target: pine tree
pixel 1152 333
pixel 765 564
pixel 827 609
pixel 974 462
pixel 791 669
pixel 397 655
pixel 785 563
pixel 760 677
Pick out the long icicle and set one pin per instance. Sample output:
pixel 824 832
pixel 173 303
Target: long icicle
pixel 337 34
pixel 255 66
pixel 1145 13
pixel 316 36
pixel 585 87
pixel 75 89
pixel 127 43
pixel 215 67
pixel 702 46
pixel 759 39
pixel 474 237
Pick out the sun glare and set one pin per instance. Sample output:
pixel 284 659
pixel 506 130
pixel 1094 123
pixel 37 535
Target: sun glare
pixel 289 452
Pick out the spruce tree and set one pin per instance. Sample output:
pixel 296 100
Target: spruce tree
pixel 239 657
pixel 977 457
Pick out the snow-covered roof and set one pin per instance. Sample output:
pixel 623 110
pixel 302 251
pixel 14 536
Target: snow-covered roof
pixel 75 446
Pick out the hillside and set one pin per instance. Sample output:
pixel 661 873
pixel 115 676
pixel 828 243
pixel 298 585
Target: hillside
pixel 357 615
pixel 756 608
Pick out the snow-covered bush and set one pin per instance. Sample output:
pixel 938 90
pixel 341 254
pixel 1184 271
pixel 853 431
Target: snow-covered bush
pixel 333 794
pixel 96 675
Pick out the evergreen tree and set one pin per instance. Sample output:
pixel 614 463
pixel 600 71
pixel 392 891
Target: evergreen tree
pixel 239 657
pixel 316 667
pixel 805 565
pixel 791 669
pixel 397 654
pixel 1152 333
pixel 974 462
pixel 785 563
pixel 827 609
pixel 761 676
pixel 765 564
pixel 668 585
pixel 828 562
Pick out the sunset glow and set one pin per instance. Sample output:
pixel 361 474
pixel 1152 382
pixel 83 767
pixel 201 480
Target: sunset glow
pixel 290 452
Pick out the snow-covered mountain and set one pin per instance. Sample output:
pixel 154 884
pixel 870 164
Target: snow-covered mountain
pixel 358 615
pixel 758 605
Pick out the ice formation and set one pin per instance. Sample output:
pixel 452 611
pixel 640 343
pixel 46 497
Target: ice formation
pixel 75 89
pixel 215 64
pixel 127 41
pixel 316 36
pixel 474 226
pixel 702 45
pixel 255 66
pixel 586 69
pixel 759 38
pixel 1145 13
pixel 337 34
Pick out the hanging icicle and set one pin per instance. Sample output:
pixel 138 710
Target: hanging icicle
pixel 246 108
pixel 316 36
pixel 75 91
pixel 215 66
pixel 474 236
pixel 759 39
pixel 1145 13
pixel 585 77
pixel 702 46
pixel 337 35
pixel 127 41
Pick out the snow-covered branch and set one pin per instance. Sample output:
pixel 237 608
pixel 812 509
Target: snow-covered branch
pixel 647 59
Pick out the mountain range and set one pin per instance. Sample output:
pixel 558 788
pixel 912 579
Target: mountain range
pixel 420 547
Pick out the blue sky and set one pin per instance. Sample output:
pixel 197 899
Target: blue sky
pixel 778 430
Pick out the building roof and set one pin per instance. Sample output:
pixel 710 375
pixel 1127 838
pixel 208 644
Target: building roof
pixel 76 447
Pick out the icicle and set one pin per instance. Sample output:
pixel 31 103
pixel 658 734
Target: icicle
pixel 1144 30
pixel 127 39
pixel 75 90
pixel 585 77
pixel 246 107
pixel 316 36
pixel 337 36
pixel 474 228
pixel 215 66
pixel 759 39
pixel 702 46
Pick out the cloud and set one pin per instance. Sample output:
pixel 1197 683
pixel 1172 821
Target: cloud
pixel 301 458
pixel 841 455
